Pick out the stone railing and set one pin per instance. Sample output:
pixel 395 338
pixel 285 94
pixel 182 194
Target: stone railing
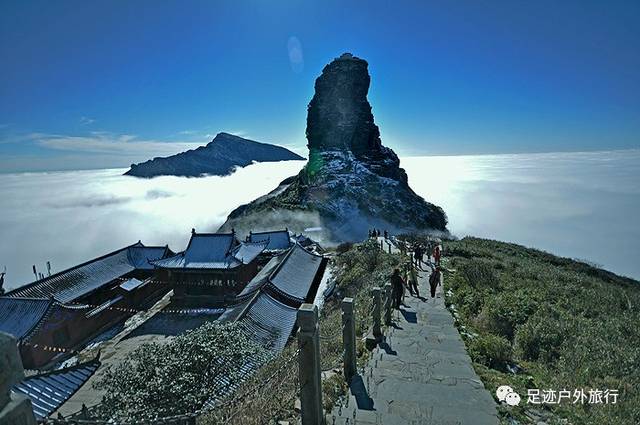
pixel 15 409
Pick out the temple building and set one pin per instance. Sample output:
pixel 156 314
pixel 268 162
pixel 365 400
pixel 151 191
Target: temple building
pixel 277 240
pixel 58 314
pixel 270 302
pixel 96 281
pixel 214 267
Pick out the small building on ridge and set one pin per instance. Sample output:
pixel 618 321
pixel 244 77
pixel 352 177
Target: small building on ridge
pixel 214 267
pixel 277 240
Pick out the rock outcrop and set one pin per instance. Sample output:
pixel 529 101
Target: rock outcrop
pixel 219 157
pixel 351 181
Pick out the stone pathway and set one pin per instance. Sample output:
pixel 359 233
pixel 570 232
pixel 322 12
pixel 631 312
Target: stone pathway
pixel 420 374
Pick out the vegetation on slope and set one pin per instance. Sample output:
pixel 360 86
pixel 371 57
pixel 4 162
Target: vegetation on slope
pixel 561 324
pixel 157 381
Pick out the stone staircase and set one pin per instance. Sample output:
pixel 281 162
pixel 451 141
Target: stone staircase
pixel 420 374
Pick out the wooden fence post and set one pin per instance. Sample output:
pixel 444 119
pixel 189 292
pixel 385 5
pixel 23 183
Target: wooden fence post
pixel 309 366
pixel 375 292
pixel 387 304
pixel 349 338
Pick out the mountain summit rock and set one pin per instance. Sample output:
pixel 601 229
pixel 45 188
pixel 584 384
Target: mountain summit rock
pixel 351 181
pixel 219 157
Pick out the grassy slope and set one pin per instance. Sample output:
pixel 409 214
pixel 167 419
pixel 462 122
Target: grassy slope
pixel 567 324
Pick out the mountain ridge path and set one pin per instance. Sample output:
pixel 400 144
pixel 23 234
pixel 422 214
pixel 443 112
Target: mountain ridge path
pixel 419 374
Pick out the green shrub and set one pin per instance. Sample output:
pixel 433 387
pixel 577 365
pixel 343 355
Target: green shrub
pixel 157 381
pixel 542 337
pixel 572 325
pixel 333 388
pixel 490 350
pixel 504 312
pixel 480 273
pixel 344 247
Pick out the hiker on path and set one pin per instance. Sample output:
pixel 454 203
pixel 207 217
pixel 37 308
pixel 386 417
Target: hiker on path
pixel 436 255
pixel 397 289
pixel 402 247
pixel 412 281
pixel 386 234
pixel 421 255
pixel 434 281
pixel 417 254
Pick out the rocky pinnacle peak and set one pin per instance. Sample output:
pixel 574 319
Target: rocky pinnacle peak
pixel 339 114
pixel 351 181
pixel 347 56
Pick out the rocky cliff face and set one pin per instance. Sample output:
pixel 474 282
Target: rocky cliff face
pixel 351 181
pixel 219 157
pixel 340 118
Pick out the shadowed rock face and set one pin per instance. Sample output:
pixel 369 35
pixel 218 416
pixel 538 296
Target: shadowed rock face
pixel 339 117
pixel 351 181
pixel 220 157
pixel 339 114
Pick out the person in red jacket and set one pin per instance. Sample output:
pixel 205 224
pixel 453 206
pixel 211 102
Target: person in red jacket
pixel 436 255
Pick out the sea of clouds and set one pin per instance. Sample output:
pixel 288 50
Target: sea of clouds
pixel 579 205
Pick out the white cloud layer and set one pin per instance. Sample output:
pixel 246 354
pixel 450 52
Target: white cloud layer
pixel 581 205
pixel 100 142
pixel 84 214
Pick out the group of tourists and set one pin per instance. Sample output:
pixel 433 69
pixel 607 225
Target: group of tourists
pixel 409 277
pixel 420 250
pixel 374 233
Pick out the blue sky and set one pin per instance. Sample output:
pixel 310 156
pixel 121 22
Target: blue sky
pixel 103 84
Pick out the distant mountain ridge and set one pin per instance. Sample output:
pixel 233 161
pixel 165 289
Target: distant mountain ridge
pixel 219 157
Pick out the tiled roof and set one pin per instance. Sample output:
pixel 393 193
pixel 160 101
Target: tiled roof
pixel 209 247
pixel 56 308
pixel 303 240
pixel 233 313
pixel 139 256
pixel 71 284
pixel 269 322
pixel 105 305
pixel 268 313
pixel 246 252
pixel 212 251
pixel 19 316
pixel 297 273
pixel 278 239
pixel 262 278
pixel 48 391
